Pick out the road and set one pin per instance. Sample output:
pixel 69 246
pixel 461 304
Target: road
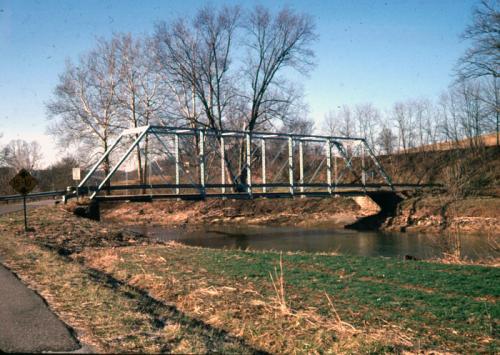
pixel 27 324
pixel 16 206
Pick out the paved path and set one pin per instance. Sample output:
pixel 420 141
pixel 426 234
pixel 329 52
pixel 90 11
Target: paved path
pixel 26 323
pixel 13 207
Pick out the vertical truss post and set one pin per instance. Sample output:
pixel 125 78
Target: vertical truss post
pixel 177 163
pixel 328 148
pixel 301 165
pixel 222 165
pixel 290 163
pixel 363 171
pixel 202 163
pixel 263 148
pixel 335 172
pixel 150 173
pixel 248 163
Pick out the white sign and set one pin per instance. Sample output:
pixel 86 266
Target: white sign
pixel 76 174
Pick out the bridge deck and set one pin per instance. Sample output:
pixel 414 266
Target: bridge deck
pixel 345 190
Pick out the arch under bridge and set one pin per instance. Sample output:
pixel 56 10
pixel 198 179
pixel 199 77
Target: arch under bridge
pixel 199 163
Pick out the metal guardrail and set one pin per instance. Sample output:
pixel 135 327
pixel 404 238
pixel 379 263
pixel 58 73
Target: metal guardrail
pixel 33 195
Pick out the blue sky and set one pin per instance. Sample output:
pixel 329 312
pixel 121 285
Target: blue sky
pixel 368 51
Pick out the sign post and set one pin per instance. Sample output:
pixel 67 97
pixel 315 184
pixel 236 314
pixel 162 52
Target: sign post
pixel 23 183
pixel 76 178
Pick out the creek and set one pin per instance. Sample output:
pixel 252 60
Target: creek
pixel 342 241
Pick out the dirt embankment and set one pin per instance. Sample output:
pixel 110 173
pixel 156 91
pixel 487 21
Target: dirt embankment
pixel 325 212
pixel 423 213
pixel 440 213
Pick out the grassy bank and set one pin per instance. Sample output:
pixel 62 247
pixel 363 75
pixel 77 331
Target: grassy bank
pixel 129 295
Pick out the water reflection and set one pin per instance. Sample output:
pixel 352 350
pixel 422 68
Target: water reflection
pixel 319 240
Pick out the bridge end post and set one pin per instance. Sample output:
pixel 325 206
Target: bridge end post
pixel 94 211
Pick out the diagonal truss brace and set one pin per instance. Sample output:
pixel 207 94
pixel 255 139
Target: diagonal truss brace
pixel 120 162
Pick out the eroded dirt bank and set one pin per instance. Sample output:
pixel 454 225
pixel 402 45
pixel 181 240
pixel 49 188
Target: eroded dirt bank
pixel 423 213
pixel 326 212
pixel 428 213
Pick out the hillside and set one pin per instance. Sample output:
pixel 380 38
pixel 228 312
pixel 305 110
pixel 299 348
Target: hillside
pixel 471 203
pixel 463 172
pixel 487 140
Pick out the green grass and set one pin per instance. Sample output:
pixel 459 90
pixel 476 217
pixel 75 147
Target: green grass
pixel 449 307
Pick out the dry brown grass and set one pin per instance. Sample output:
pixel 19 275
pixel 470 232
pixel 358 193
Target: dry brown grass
pixel 261 315
pixel 108 315
pixel 487 140
pixel 167 298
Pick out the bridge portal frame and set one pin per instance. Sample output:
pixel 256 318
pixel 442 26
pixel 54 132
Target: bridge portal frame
pixel 331 143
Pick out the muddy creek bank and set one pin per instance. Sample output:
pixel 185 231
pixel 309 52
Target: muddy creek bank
pixel 331 212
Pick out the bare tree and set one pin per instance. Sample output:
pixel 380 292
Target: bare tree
pixel 483 57
pixel 85 106
pixel 449 121
pixel 19 154
pixel 386 140
pixel 341 123
pixel 471 111
pixel 274 43
pixel 197 57
pixel 403 114
pixel 491 98
pixel 141 96
pixel 368 118
pixel 330 124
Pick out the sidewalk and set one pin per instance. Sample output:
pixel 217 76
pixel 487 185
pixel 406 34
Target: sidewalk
pixel 26 323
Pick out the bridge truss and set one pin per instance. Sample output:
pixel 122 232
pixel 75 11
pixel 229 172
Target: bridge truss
pixel 198 163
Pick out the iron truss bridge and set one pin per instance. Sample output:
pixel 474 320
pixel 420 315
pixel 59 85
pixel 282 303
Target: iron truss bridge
pixel 197 163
